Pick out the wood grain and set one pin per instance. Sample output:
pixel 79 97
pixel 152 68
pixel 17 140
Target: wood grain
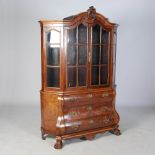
pixel 79 112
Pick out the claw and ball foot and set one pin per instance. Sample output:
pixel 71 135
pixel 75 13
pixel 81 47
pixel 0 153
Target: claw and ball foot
pixel 58 144
pixel 116 132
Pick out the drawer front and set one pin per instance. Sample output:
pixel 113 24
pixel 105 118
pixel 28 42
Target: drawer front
pixel 102 97
pixel 84 99
pixel 86 111
pixel 77 100
pixel 88 124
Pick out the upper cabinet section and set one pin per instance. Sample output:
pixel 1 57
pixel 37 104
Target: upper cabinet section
pixel 77 53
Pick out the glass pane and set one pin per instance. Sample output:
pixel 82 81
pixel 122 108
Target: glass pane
pixel 104 54
pixel 82 55
pixel 96 34
pixel 71 55
pixel 82 72
pixel 95 75
pixel 53 56
pixel 104 74
pixel 72 77
pixel 105 36
pixel 53 77
pixel 53 37
pixel 72 35
pixel 82 34
pixel 95 55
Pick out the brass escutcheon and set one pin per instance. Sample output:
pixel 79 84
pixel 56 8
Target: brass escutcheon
pixel 90 95
pixel 106 120
pixel 105 94
pixel 91 121
pixel 89 108
pixel 105 109
pixel 73 113
pixel 75 127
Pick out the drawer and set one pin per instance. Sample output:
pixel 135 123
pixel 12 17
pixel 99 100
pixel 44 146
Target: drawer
pixel 102 97
pixel 84 99
pixel 86 111
pixel 88 124
pixel 77 100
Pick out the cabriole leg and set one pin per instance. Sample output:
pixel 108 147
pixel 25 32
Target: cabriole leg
pixel 58 144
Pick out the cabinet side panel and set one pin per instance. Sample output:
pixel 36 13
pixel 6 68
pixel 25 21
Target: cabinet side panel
pixel 49 112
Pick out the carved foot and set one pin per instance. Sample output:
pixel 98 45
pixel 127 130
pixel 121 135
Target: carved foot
pixel 58 144
pixel 116 132
pixel 43 135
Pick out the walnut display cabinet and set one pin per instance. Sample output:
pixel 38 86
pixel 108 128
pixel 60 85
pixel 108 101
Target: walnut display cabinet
pixel 78 77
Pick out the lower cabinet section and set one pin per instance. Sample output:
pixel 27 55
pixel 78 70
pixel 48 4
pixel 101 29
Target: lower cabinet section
pixel 77 115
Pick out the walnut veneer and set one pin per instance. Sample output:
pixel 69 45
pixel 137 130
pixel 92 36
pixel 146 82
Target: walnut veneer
pixel 78 77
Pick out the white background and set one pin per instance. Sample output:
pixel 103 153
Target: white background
pixel 20 54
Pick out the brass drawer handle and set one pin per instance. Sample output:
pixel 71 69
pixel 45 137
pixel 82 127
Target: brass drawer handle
pixel 105 95
pixel 73 113
pixel 91 121
pixel 73 99
pixel 90 95
pixel 75 127
pixel 89 108
pixel 106 120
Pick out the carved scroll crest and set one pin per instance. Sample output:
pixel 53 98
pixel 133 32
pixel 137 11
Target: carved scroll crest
pixel 90 16
pixel 91 13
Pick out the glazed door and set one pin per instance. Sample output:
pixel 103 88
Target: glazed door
pixel 77 51
pixel 53 47
pixel 99 48
pixel 87 56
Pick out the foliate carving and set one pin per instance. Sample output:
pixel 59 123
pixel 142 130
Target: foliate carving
pixel 90 16
pixel 107 119
pixel 105 109
pixel 91 13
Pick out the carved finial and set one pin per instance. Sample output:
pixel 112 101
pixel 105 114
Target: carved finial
pixel 92 7
pixel 91 13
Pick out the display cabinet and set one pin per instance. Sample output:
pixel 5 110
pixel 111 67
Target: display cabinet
pixel 78 77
